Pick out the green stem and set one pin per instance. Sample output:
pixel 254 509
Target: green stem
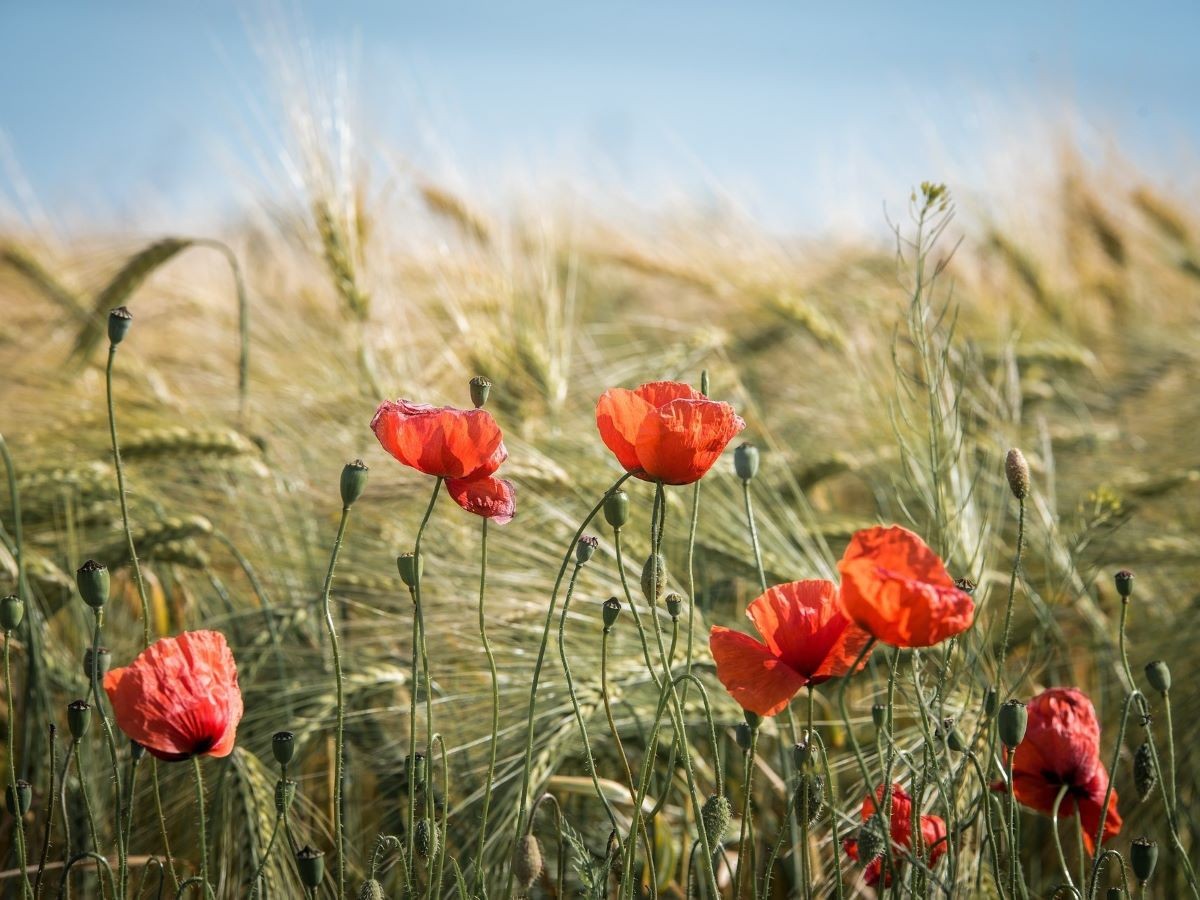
pixel 419 615
pixel 162 823
pixel 255 881
pixel 1062 859
pixel 50 806
pixel 487 649
pixel 748 784
pixel 110 740
pixel 1171 781
pixel 19 821
pixel 833 814
pixel 203 833
pixel 1012 591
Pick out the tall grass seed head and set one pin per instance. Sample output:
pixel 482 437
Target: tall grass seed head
pixel 610 611
pixel 371 890
pixel 18 799
pixel 101 665
pixel 1158 673
pixel 119 321
pixel 92 580
pixel 1011 723
pixel 410 568
pixel 283 746
pixel 1124 582
pixel 354 482
pixel 1016 469
pixel 1144 775
pixel 79 718
pixel 12 612
pixel 745 462
pixel 654 578
pixel 585 549
pixel 616 509
pixel 310 863
pixel 527 861
pixel 480 389
pixel 715 814
pixel 1143 857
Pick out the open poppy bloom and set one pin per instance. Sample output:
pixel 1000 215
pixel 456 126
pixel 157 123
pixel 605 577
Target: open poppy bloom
pixel 896 588
pixel 932 838
pixel 180 697
pixel 807 641
pixel 440 440
pixel 665 431
pixel 1062 747
pixel 492 498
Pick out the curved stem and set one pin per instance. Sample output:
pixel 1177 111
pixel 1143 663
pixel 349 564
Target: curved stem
pixel 491 658
pixel 1062 859
pixel 256 879
pixel 162 822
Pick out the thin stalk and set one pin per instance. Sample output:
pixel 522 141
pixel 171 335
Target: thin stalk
pixel 93 829
pixel 50 805
pixel 19 821
pixel 837 844
pixel 1016 879
pixel 1080 848
pixel 203 835
pixel 162 823
pixel 110 740
pixel 256 879
pixel 1062 859
pixel 1012 591
pixel 1171 780
pixel 419 617
pixel 487 649
pixel 742 868
pixel 133 770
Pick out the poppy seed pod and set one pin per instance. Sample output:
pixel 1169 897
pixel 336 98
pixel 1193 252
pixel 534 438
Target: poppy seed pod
pixel 879 715
pixel 92 580
pixel 616 509
pixel 586 548
pixel 119 320
pixel 371 890
pixel 102 665
pixel 79 718
pixel 674 603
pixel 1017 470
pixel 1143 856
pixel 527 861
pixel 18 800
pixel 810 798
pixel 1145 777
pixel 610 611
pixel 744 735
pixel 1012 722
pixel 654 578
pixel 410 568
pixel 310 864
pixel 416 769
pixel 480 389
pixel 285 793
pixel 427 837
pixel 1158 673
pixel 12 611
pixel 949 732
pixel 354 482
pixel 1124 583
pixel 715 814
pixel 283 746
pixel 745 462
pixel 991 701
pixel 800 753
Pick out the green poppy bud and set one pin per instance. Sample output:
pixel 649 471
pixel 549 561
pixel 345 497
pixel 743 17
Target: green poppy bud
pixel 745 462
pixel 991 701
pixel 610 611
pixel 410 568
pixel 12 611
pixel 744 735
pixel 527 862
pixel 311 865
pixel 810 798
pixel 949 732
pixel 715 814
pixel 674 603
pixel 102 664
pixel 92 581
pixel 480 389
pixel 1017 471
pixel 136 751
pixel 427 837
pixel 119 320
pixel 416 770
pixel 1114 893
pixel 654 578
pixel 586 548
pixel 371 890
pixel 1124 583
pixel 1012 722
pixel 800 754
pixel 1158 673
pixel 283 746
pixel 1145 777
pixel 616 509
pixel 354 482
pixel 869 840
pixel 18 800
pixel 879 715
pixel 1143 857
pixel 79 718
pixel 285 794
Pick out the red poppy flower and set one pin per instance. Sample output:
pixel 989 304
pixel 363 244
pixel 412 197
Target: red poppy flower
pixel 440 440
pixel 894 586
pixel 492 498
pixel 807 641
pixel 665 431
pixel 1062 746
pixel 180 697
pixel 933 833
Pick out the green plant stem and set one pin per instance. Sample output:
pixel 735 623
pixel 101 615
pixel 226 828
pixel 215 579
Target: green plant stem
pixel 851 736
pixel 1016 880
pixel 110 740
pixel 50 806
pixel 989 833
pixel 495 741
pixel 839 890
pixel 102 867
pixel 418 612
pixel 1062 859
pixel 93 829
pixel 410 867
pixel 1171 780
pixel 133 771
pixel 19 821
pixel 162 823
pixel 1012 592
pixel 883 811
pixel 203 832
pixel 608 713
pixel 255 881
pixel 748 783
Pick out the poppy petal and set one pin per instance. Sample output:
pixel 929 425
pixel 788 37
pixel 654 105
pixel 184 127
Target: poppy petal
pixel 754 677
pixel 619 416
pixel 679 442
pixel 803 624
pixel 660 393
pixel 440 441
pixel 492 498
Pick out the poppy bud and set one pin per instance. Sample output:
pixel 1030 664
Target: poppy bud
pixel 1017 470
pixel 1143 856
pixel 410 568
pixel 92 581
pixel 285 793
pixel 744 734
pixel 102 665
pixel 1158 673
pixel 745 462
pixel 283 745
pixel 1144 775
pixel 810 798
pixel 1011 723
pixel 12 611
pixel 613 847
pixel 416 770
pixel 715 814
pixel 354 482
pixel 426 838
pixel 371 890
pixel 586 548
pixel 704 382
pixel 753 719
pixel 616 509
pixel 800 753
pixel 136 751
pixel 949 732
pixel 527 861
pixel 311 865
pixel 480 389
pixel 18 800
pixel 674 604
pixel 79 718
pixel 119 320
pixel 1124 582
pixel 991 701
pixel 654 578
pixel 610 611
pixel 869 840
pixel 879 715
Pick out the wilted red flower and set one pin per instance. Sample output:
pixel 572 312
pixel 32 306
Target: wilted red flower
pixel 492 498
pixel 933 833
pixel 180 697
pixel 440 440
pixel 1062 746
pixel 807 641
pixel 665 431
pixel 896 588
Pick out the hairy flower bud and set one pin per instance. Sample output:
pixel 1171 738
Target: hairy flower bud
pixel 879 715
pixel 310 864
pixel 800 754
pixel 79 718
pixel 616 509
pixel 991 701
pixel 1143 856
pixel 1012 722
pixel 744 735
pixel 810 798
pixel 1144 775
pixel 354 482
pixel 586 548
pixel 12 611
pixel 426 838
pixel 18 799
pixel 654 578
pixel 119 320
pixel 1017 470
pixel 371 890
pixel 410 568
pixel 610 611
pixel 416 770
pixel 1158 673
pixel 480 389
pixel 870 841
pixel 92 580
pixel 715 814
pixel 948 731
pixel 527 861
pixel 745 462
pixel 283 746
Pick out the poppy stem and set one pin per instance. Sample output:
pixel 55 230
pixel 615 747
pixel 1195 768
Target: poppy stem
pixel 162 822
pixel 203 835
pixel 1012 591
pixel 19 820
pixel 419 625
pixel 491 658
pixel 45 855
pixel 1015 875
pixel 833 815
pixel 93 829
pixel 1062 859
pixel 854 745
pixel 748 785
pixel 110 740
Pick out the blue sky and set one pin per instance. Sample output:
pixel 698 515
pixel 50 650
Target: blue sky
pixel 783 106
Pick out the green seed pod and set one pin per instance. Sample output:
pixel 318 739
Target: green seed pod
pixel 744 735
pixel 1143 857
pixel 1017 470
pixel 654 578
pixel 879 715
pixel 616 509
pixel 311 865
pixel 800 754
pixel 745 462
pixel 102 665
pixel 1144 775
pixel 1012 722
pixel 674 603
pixel 119 320
pixel 610 611
pixel 527 861
pixel 410 568
pixel 704 381
pixel 371 890
pixel 18 800
pixel 948 731
pixel 1124 583
pixel 285 795
pixel 1158 673
pixel 92 581
pixel 427 837
pixel 810 798
pixel 283 746
pixel 480 389
pixel 12 611
pixel 416 770
pixel 870 841
pixel 586 548
pixel 715 814
pixel 354 482
pixel 79 718
pixel 991 701
pixel 753 719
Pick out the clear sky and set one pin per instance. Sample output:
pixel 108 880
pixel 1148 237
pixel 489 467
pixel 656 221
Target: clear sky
pixel 785 106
